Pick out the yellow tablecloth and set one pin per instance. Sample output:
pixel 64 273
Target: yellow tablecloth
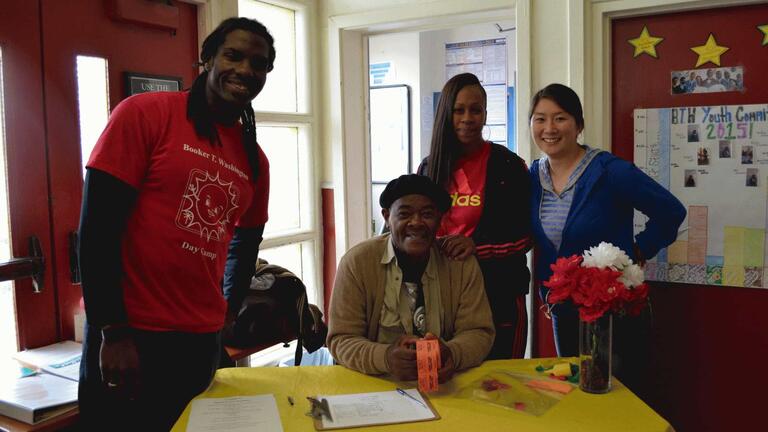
pixel 618 410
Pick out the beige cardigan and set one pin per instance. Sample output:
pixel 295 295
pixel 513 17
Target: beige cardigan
pixel 358 296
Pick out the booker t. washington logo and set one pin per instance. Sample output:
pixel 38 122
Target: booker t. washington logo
pixel 465 200
pixel 207 205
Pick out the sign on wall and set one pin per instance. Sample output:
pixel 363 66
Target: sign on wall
pixel 136 83
pixel 715 160
pixel 382 73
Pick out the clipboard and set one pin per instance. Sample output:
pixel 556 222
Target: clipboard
pixel 394 408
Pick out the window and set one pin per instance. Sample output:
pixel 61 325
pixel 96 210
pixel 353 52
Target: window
pixel 285 127
pixel 279 94
pixel 92 102
pixel 297 257
pixel 281 144
pixel 8 331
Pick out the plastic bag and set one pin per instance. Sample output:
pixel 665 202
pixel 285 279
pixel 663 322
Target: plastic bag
pixel 532 394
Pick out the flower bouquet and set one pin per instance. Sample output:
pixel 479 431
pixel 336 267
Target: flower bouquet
pixel 601 282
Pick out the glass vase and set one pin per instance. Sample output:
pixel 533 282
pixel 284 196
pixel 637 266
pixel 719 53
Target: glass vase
pixel 595 349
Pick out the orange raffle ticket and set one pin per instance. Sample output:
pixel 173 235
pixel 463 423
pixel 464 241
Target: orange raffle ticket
pixel 428 363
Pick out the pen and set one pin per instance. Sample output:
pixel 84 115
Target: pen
pixel 408 395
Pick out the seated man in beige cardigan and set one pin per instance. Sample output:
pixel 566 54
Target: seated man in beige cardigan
pixel 393 289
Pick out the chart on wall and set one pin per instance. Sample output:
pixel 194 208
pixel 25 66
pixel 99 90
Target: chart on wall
pixel 715 160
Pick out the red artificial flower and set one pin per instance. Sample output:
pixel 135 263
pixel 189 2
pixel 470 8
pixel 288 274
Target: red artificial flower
pixel 590 314
pixel 593 290
pixel 564 278
pixel 638 300
pixel 566 266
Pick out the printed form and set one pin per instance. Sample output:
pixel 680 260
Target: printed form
pixel 235 414
pixel 376 408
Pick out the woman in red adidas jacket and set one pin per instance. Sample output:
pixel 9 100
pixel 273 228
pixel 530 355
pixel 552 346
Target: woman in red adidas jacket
pixel 489 216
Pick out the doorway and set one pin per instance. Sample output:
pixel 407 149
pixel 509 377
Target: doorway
pixel 422 61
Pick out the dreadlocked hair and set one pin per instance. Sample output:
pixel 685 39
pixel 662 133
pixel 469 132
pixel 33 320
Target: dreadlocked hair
pixel 198 110
pixel 445 148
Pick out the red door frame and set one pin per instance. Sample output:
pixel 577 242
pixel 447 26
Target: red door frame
pixel 28 188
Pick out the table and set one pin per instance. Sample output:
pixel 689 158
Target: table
pixel 619 409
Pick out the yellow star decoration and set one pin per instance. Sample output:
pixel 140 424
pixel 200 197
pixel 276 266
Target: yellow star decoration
pixel 764 28
pixel 709 52
pixel 645 43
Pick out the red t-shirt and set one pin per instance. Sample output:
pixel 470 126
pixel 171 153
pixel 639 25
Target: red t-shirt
pixel 467 190
pixel 191 196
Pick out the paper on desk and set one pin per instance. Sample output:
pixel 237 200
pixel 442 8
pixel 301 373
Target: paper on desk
pixel 364 409
pixel 61 359
pixel 235 414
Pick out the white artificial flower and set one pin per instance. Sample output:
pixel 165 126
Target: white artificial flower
pixel 632 276
pixel 605 255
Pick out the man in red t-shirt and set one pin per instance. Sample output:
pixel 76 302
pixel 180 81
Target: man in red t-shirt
pixel 176 191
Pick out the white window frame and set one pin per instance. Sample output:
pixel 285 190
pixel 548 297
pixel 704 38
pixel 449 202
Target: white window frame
pixel 210 14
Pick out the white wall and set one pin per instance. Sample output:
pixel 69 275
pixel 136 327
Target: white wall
pixel 550 36
pixel 345 7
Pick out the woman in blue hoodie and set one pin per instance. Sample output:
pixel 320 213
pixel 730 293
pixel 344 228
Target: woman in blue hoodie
pixel 582 196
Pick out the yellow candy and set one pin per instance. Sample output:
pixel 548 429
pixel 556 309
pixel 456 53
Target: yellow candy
pixel 562 369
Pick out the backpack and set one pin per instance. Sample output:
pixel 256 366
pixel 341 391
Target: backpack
pixel 275 309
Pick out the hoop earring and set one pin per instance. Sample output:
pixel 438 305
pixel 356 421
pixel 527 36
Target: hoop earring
pixel 482 133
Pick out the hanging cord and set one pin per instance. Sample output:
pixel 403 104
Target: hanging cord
pixel 250 142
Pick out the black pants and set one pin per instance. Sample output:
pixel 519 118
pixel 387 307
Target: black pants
pixel 631 344
pixel 512 333
pixel 174 367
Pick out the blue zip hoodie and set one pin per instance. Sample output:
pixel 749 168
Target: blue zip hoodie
pixel 604 200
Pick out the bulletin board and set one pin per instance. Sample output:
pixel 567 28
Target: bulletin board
pixel 715 160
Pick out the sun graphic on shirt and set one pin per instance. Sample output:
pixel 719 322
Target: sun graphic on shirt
pixel 207 205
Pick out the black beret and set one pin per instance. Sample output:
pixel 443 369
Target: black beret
pixel 409 184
